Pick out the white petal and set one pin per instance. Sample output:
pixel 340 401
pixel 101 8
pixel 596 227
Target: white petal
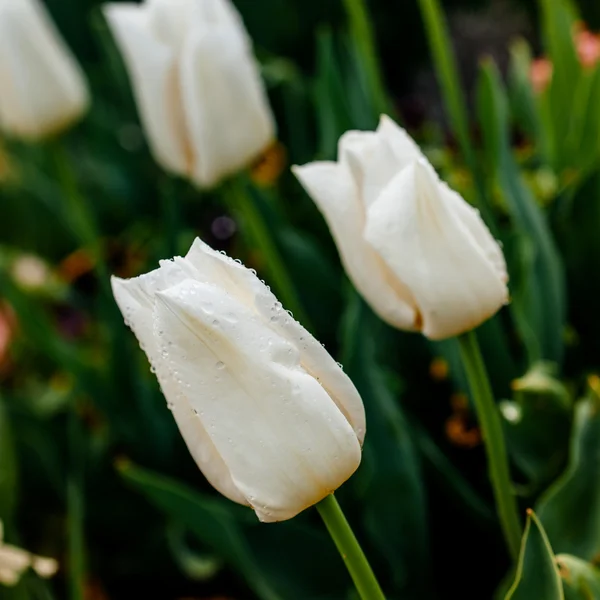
pixel 284 440
pixel 401 144
pixel 334 190
pixel 376 157
pixel 14 559
pixel 152 68
pixel 472 220
pixel 243 285
pixel 44 567
pixel 173 20
pixel 426 244
pixel 225 103
pixel 42 88
pixel 136 298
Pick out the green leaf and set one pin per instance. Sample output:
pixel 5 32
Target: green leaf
pixel 454 98
pixel 537 424
pixel 570 509
pixel 537 575
pixel 8 468
pixel 333 111
pixel 523 102
pixel 278 561
pixel 390 480
pixel 541 305
pixel 581 580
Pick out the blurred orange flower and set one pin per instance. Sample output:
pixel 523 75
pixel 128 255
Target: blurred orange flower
pixel 540 74
pixel 588 46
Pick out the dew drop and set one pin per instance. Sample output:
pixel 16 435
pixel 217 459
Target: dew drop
pixel 220 365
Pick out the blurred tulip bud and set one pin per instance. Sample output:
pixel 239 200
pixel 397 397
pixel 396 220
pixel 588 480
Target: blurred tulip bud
pixel 14 561
pixel 270 418
pixel 197 85
pixel 42 88
pixel 418 253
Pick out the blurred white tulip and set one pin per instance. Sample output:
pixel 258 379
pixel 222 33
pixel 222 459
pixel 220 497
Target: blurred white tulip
pixel 418 253
pixel 42 88
pixel 269 417
pixel 197 85
pixel 14 561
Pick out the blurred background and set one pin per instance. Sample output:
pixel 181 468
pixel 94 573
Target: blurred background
pixel 93 470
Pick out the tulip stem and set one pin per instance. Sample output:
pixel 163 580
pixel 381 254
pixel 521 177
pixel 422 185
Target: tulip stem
pixel 259 234
pixel 493 437
pixel 350 550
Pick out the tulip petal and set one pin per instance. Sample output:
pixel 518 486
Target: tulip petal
pixel 152 68
pixel 401 144
pixel 225 103
pixel 43 87
pixel 173 19
pixel 332 187
pixel 243 285
pixel 136 298
pixel 423 239
pixel 284 440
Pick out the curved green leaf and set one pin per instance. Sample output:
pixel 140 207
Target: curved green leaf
pixel 537 575
pixel 570 509
pixel 581 580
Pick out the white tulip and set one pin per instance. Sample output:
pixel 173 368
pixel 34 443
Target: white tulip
pixel 14 561
pixel 42 88
pixel 418 253
pixel 197 85
pixel 269 417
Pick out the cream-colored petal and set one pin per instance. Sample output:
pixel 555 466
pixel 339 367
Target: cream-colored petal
pixel 136 299
pixel 226 107
pixel 427 245
pixel 472 220
pixel 42 88
pixel 152 67
pixel 9 577
pixel 334 191
pixel 401 144
pixel 243 285
pixel 44 567
pixel 173 20
pixel 14 559
pixel 284 440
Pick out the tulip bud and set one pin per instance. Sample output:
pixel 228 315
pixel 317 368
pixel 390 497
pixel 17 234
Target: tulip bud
pixel 197 85
pixel 42 88
pixel 269 417
pixel 418 253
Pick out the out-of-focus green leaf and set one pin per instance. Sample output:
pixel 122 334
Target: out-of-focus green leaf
pixel 333 112
pixel 558 24
pixel 278 561
pixel 570 509
pixel 537 424
pixel 390 481
pixel 8 468
pixel 542 303
pixel 522 100
pixel 581 580
pixel 537 574
pixel 454 98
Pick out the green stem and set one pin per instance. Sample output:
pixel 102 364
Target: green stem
pixel 75 509
pixel 258 234
pixel 350 550
pixel 493 437
pixel 362 32
pixel 78 213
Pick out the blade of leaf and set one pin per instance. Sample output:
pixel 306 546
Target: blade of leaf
pixel 570 509
pixel 537 575
pixel 544 301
